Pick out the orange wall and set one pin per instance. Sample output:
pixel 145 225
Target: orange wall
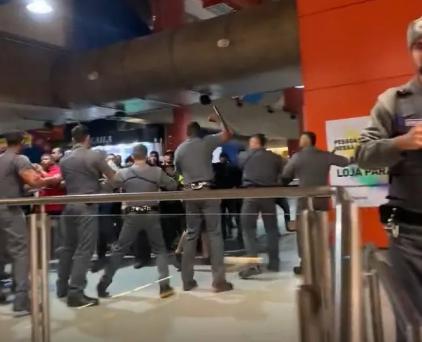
pixel 351 51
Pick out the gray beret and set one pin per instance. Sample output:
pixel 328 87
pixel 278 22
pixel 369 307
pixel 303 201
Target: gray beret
pixel 414 32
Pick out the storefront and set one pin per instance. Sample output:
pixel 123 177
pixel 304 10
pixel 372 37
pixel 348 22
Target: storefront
pixel 107 135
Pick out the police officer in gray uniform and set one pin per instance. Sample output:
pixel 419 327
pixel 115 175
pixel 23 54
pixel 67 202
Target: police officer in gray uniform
pixel 394 139
pixel 142 215
pixel 193 159
pixel 82 170
pixel 16 171
pixel 261 168
pixel 312 167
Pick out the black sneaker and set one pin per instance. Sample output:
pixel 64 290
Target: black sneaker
pixel 166 291
pixel 102 288
pixel 250 272
pixel 62 289
pixel 78 299
pixel 190 285
pixel 297 270
pixel 222 287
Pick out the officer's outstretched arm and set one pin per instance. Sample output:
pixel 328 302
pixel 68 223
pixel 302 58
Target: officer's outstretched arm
pixel 226 132
pixel 166 182
pixel 377 147
pixel 289 171
pixel 34 180
pixel 226 135
pixel 339 161
pixel 105 169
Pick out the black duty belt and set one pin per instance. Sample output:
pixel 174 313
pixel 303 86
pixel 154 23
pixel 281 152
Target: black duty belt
pixel 198 186
pixel 145 209
pixel 394 216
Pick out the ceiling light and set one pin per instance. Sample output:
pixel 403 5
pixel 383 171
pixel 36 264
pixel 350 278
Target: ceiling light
pixel 300 87
pixel 39 7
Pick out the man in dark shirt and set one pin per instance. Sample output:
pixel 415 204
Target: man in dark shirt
pixel 227 176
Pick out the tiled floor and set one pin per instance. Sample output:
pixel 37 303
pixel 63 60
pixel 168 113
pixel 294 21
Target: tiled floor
pixel 257 310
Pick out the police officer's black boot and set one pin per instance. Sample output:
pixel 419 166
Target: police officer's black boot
pixel 297 270
pixel 77 299
pixel 102 288
pixel 62 288
pixel 222 287
pixel 189 286
pixel 166 291
pixel 21 303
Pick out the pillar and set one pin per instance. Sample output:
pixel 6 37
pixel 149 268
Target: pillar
pixel 167 14
pixel 176 132
pixel 293 103
pixel 352 50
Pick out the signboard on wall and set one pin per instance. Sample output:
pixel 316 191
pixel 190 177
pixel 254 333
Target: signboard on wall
pixel 367 187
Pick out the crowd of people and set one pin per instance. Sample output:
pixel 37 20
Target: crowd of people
pixel 146 228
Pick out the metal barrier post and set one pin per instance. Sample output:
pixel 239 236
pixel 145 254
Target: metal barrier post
pixel 308 296
pixel 322 237
pixel 373 297
pixel 305 245
pixel 35 293
pixel 356 281
pixel 375 306
pixel 338 276
pixel 348 299
pixel 45 256
pixel 309 330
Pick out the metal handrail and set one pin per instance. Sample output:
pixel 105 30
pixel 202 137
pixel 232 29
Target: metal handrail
pixel 347 258
pixel 264 192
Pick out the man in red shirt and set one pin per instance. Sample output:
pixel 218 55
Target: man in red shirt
pixel 51 169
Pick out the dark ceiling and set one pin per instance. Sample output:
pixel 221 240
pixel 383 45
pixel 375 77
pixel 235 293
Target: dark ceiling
pixel 89 24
